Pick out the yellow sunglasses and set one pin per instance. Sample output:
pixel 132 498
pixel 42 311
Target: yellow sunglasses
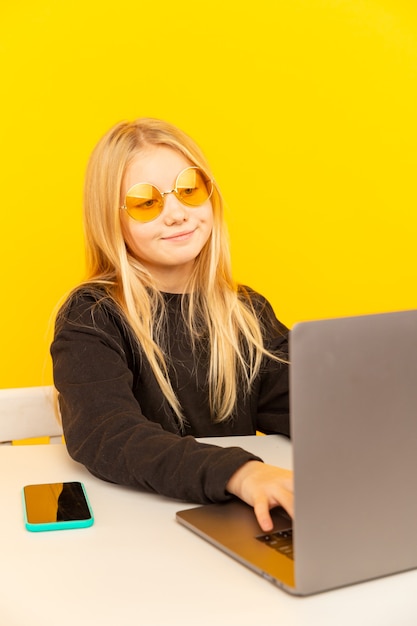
pixel 144 202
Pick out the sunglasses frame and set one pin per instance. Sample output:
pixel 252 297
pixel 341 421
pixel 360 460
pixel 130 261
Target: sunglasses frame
pixel 174 191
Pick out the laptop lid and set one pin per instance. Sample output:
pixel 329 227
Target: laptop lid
pixel 354 428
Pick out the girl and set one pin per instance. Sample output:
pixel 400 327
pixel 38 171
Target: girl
pixel 159 345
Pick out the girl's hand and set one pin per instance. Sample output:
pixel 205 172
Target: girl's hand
pixel 263 487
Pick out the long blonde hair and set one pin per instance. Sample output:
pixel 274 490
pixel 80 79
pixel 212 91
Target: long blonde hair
pixel 215 305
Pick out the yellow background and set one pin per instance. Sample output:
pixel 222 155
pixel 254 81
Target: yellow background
pixel 306 110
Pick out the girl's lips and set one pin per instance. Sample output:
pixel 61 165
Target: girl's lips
pixel 179 236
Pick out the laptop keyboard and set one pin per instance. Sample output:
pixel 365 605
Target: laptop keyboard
pixel 280 541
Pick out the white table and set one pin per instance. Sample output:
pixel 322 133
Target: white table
pixel 138 566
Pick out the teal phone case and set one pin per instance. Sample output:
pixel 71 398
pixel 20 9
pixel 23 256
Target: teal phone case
pixel 42 507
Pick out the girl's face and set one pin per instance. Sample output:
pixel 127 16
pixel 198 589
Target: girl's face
pixel 168 245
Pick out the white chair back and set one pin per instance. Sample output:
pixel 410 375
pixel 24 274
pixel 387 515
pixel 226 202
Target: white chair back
pixel 27 412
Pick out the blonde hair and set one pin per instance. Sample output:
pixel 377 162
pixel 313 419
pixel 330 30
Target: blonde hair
pixel 216 307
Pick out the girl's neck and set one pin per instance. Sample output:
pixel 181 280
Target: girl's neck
pixel 172 282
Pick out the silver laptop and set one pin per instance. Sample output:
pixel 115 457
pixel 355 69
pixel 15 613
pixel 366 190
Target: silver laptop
pixel 353 394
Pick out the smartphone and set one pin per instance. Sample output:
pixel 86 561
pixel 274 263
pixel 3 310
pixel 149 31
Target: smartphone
pixel 56 506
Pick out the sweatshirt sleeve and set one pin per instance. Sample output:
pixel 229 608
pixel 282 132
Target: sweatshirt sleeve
pixel 104 426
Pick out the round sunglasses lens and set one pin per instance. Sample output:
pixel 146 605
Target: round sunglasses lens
pixel 144 202
pixel 192 187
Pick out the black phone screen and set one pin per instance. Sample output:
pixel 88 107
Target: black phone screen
pixel 53 503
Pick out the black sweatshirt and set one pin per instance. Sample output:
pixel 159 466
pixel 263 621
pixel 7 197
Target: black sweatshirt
pixel 116 420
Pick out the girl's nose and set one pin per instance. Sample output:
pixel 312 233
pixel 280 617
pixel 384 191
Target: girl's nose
pixel 174 210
